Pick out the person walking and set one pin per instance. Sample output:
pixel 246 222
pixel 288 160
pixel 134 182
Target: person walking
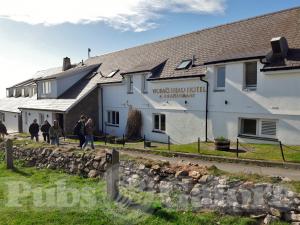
pixel 54 133
pixel 34 129
pixel 79 130
pixel 89 133
pixel 3 130
pixel 45 131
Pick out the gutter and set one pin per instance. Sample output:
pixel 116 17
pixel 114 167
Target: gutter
pixel 206 108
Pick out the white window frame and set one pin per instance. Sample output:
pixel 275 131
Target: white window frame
pixel 113 121
pixel 130 84
pixel 160 123
pixel 144 84
pixel 7 93
pixel 259 127
pixel 46 89
pixel 250 87
pixel 23 92
pixel 41 118
pixel 14 92
pixel 217 88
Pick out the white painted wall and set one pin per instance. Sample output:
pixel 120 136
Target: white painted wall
pixel 31 115
pixel 185 120
pixel 276 97
pixel 11 122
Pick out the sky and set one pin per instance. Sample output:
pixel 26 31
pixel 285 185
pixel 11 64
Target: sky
pixel 36 35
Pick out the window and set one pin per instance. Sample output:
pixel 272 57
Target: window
pixel 46 87
pixel 268 127
pixel 144 84
pixel 41 118
pixel 15 93
pixel 112 73
pixel 130 85
pixel 259 127
pixel 249 126
pixel 250 75
pixel 23 92
pixel 184 64
pixel 2 117
pixel 7 93
pixel 220 78
pixel 159 122
pixel 113 118
pixel 26 118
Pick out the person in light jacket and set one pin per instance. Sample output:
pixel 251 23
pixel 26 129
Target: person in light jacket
pixel 55 132
pixel 89 133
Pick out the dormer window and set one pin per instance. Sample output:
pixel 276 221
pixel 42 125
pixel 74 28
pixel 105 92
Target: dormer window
pixel 184 64
pixel 23 92
pixel 112 73
pixel 15 92
pixel 46 87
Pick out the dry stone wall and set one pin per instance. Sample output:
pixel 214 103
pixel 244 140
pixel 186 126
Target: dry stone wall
pixel 181 187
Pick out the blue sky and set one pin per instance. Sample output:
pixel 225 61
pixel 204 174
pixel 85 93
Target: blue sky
pixel 37 34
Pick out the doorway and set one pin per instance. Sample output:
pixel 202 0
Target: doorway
pixel 60 118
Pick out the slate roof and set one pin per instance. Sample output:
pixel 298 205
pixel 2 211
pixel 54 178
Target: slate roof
pixel 12 104
pixel 248 38
pixel 24 83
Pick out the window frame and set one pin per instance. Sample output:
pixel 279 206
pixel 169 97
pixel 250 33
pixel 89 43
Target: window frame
pixel 179 67
pixel 159 129
pixel 245 85
pixel 144 84
pixel 130 84
pixel 259 127
pixel 113 118
pixel 46 87
pixel 218 88
pixel 41 118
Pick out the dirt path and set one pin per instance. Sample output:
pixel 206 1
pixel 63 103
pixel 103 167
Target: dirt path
pixel 228 167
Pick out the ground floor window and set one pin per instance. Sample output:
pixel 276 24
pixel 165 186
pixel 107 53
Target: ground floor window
pixel 159 122
pixel 41 118
pixel 113 118
pixel 2 117
pixel 258 127
pixel 26 118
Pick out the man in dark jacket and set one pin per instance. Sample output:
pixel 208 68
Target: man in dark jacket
pixel 3 130
pixel 34 130
pixel 79 130
pixel 45 131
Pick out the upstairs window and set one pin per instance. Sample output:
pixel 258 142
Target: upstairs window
pixel 112 73
pixel 46 87
pixel 23 92
pixel 7 93
pixel 159 123
pixel 220 78
pixel 15 92
pixel 144 84
pixel 113 118
pixel 250 75
pixel 129 84
pixel 184 64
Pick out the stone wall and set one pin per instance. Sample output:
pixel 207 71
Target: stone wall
pixel 182 187
pixel 88 106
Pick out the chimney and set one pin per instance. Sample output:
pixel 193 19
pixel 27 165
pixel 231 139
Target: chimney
pixel 66 63
pixel 279 47
pixel 89 53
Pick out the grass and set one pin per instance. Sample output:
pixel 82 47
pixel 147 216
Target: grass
pixel 104 212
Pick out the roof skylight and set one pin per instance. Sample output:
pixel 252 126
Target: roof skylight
pixel 184 64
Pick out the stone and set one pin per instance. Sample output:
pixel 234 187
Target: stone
pixel 269 219
pixel 165 186
pixel 286 179
pixel 156 167
pixel 95 164
pixel 93 174
pixel 194 174
pixel 275 212
pixel 142 167
pixel 205 178
pixel 181 173
pixel 292 217
pixel 295 223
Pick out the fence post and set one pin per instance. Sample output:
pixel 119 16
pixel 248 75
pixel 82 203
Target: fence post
pixel 169 143
pixel 112 176
pixel 105 139
pixel 9 154
pixel 144 141
pixel 281 149
pixel 198 145
pixel 123 140
pixel 237 147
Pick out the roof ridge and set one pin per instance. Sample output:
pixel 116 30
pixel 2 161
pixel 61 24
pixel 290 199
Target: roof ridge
pixel 198 31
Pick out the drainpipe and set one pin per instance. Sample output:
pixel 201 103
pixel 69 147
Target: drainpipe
pixel 206 107
pixel 102 122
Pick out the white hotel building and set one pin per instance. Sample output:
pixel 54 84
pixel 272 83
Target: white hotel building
pixel 235 80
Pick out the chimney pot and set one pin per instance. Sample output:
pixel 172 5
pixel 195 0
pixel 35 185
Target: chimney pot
pixel 66 63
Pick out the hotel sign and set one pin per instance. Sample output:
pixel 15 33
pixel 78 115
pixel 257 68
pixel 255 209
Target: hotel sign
pixel 172 92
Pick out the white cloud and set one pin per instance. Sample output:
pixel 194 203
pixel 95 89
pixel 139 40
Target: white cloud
pixel 136 15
